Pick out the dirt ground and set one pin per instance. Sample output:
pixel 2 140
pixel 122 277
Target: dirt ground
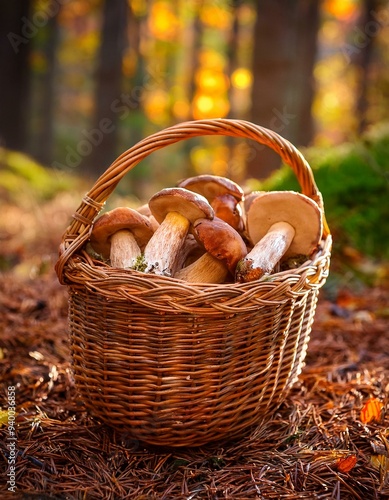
pixel 329 440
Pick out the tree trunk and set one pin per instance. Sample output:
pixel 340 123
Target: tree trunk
pixel 307 23
pixel 283 60
pixel 193 55
pixel 16 33
pixel 104 134
pixel 367 34
pixel 44 137
pixel 233 55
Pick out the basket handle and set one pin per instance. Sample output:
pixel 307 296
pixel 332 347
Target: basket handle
pixel 79 230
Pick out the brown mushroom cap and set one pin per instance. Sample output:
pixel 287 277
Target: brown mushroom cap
pixel 301 212
pixel 191 205
pixel 221 241
pixel 229 209
pixel 212 186
pixel 116 220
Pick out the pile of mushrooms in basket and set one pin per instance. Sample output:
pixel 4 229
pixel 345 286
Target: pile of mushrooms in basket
pixel 205 230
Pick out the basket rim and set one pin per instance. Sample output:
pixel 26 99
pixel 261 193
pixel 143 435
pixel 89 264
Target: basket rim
pixel 164 293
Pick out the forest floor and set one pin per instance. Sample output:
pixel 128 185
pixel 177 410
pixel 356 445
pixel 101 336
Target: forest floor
pixel 329 439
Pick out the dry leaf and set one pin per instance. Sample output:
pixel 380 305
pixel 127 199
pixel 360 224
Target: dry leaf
pixel 371 410
pixel 346 464
pixel 3 417
pixel 380 462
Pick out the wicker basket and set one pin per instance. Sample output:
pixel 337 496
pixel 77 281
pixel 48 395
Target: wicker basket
pixel 174 364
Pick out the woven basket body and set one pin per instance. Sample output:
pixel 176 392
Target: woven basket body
pixel 178 364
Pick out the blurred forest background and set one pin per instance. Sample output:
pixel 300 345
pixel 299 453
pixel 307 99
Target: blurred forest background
pixel 83 80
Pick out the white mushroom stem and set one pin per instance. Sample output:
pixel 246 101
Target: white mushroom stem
pixel 162 250
pixel 265 255
pixel 124 249
pixel 206 269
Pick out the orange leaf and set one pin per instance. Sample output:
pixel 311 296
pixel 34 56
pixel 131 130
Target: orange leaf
pixel 346 464
pixel 371 410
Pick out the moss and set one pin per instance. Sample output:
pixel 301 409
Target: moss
pixel 22 176
pixel 140 264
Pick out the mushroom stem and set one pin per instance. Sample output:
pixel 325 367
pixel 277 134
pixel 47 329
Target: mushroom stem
pixel 206 269
pixel 164 246
pixel 266 253
pixel 124 249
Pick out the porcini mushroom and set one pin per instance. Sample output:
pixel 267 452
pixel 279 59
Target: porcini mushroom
pixel 223 194
pixel 175 209
pixel 120 235
pixel 280 224
pixel 224 249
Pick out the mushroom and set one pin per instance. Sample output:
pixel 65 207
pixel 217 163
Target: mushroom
pixel 280 224
pixel 224 249
pixel 145 210
pixel 223 194
pixel 175 209
pixel 120 235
